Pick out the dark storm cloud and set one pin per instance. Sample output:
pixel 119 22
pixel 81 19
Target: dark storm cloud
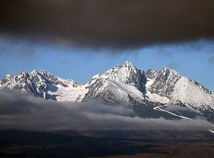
pixel 22 112
pixel 119 23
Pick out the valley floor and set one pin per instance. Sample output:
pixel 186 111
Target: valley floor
pixel 107 144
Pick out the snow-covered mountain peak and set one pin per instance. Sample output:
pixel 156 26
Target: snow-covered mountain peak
pixel 45 73
pixel 121 84
pixel 96 76
pixel 23 74
pixel 164 68
pixel 150 74
pixel 126 73
pixel 128 64
pixel 8 76
pixel 6 79
pixel 167 71
pixel 34 71
pixel 160 84
pixel 52 79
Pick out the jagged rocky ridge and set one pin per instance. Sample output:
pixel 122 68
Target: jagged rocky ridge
pixel 121 85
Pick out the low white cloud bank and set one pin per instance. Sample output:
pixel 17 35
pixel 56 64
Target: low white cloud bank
pixel 25 112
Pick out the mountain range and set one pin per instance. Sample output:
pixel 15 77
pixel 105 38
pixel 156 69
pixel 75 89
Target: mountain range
pixel 152 93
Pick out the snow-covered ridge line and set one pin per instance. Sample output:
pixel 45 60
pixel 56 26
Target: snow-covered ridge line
pixel 122 84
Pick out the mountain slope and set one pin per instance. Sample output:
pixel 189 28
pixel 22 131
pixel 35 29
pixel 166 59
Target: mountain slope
pixel 122 85
pixel 35 83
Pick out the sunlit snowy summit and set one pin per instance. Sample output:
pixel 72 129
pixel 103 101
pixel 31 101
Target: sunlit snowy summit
pixel 120 85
